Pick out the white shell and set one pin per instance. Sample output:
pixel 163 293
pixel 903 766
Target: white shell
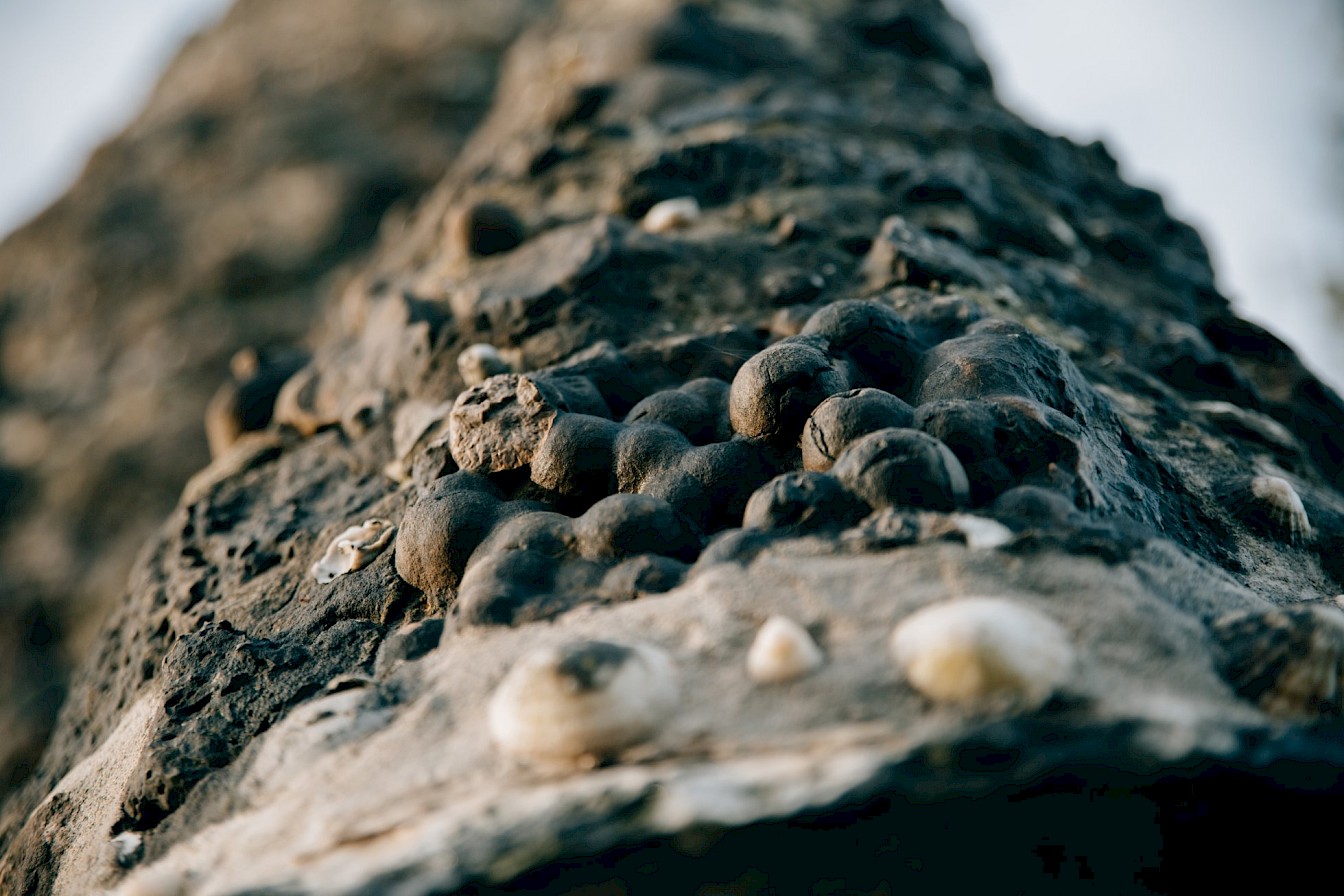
pixel 477 363
pixel 981 533
pixel 353 549
pixel 983 648
pixel 585 700
pixel 671 214
pixel 1283 506
pixel 126 848
pixel 782 651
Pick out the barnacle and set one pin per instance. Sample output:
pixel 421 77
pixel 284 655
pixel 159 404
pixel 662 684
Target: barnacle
pixel 1290 661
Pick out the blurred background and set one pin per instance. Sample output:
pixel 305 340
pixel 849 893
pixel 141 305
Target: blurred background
pixel 1232 109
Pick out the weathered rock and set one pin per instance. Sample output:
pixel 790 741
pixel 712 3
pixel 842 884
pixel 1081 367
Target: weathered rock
pixel 1070 424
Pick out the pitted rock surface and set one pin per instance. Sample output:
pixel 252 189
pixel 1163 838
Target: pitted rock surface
pixel 910 351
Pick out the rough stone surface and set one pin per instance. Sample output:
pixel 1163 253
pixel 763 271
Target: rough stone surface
pixel 1074 423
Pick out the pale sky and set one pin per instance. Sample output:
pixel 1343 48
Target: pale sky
pixel 1225 106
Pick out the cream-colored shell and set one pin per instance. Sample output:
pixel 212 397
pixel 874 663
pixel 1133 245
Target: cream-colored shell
pixel 978 649
pixel 981 533
pixel 782 651
pixel 1283 506
pixel 353 549
pixel 477 363
pixel 671 214
pixel 582 701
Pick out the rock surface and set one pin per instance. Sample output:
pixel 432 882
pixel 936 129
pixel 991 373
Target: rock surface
pixel 1076 427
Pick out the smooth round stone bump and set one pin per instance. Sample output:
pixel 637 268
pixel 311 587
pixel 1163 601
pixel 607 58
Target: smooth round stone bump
pixel 843 419
pixel 903 468
pixel 778 388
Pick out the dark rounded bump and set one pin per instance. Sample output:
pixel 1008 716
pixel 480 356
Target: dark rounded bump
pixel 540 531
pixel 575 458
pixel 998 358
pixel 486 228
pixel 806 502
pixel 733 546
pixel 645 574
pixel 874 337
pixel 507 587
pixel 576 393
pixel 729 472
pixel 843 419
pixel 626 525
pixel 1003 441
pixel 714 392
pixel 643 450
pixel 689 414
pixel 1033 507
pixel 441 530
pixel 774 392
pixel 684 492
pixel 903 468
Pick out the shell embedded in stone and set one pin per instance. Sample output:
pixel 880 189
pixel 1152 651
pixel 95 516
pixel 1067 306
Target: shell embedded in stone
pixel 782 651
pixel 353 549
pixel 1288 660
pixel 1276 505
pixel 977 649
pixel 583 701
pixel 671 214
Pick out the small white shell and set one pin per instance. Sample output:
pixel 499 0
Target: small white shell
pixel 981 533
pixel 782 651
pixel 477 363
pixel 353 549
pixel 127 848
pixel 982 648
pixel 1283 508
pixel 583 701
pixel 671 214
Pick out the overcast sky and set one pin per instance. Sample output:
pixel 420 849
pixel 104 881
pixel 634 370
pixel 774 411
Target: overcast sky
pixel 1232 108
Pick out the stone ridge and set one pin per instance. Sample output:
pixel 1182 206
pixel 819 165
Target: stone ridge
pixel 262 166
pixel 783 315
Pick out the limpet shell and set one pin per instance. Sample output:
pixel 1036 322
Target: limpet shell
pixel 1272 504
pixel 354 549
pixel 583 701
pixel 782 651
pixel 975 649
pixel 1289 661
